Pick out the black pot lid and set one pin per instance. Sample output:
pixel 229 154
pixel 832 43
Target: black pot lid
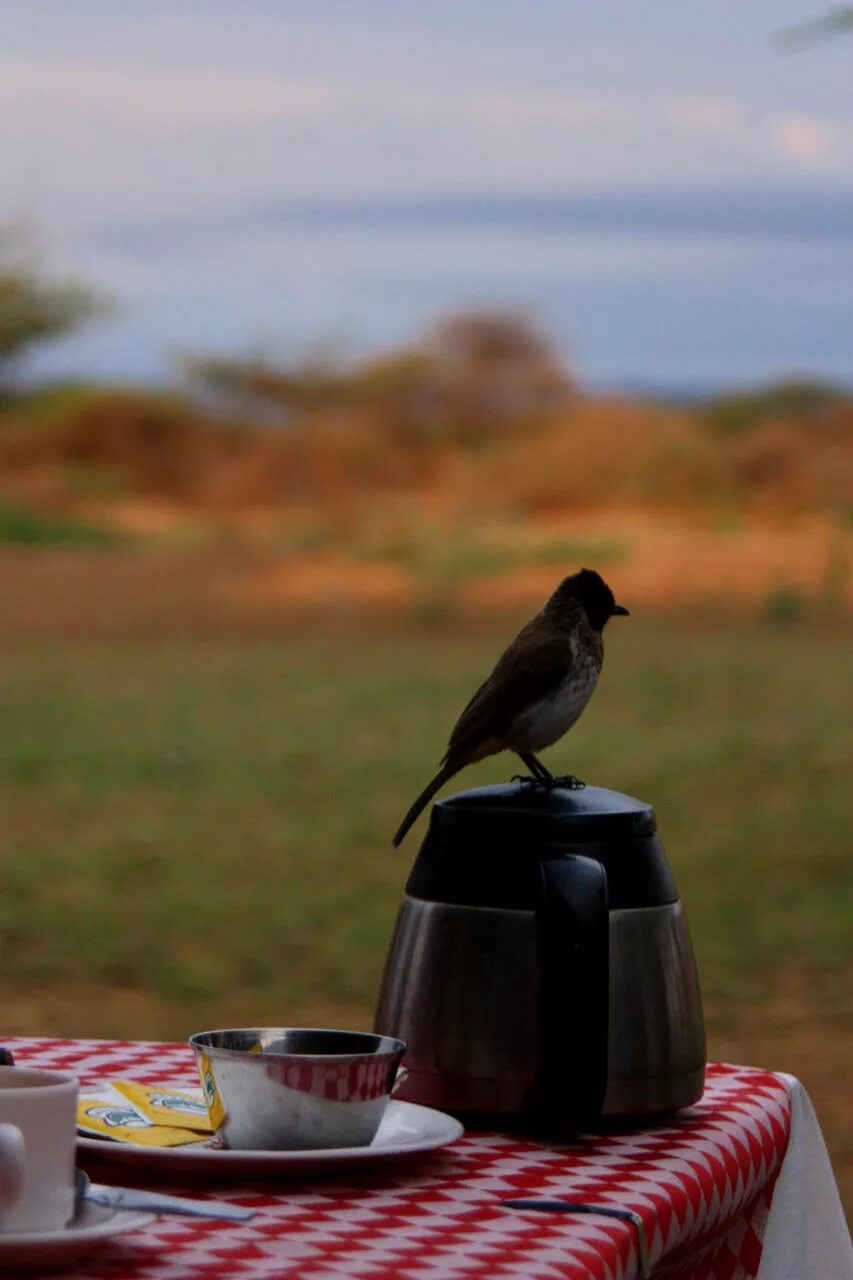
pixel 484 847
pixel 588 813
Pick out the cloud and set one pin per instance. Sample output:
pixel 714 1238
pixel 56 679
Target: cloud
pixel 86 139
pixel 724 214
pixel 536 107
pixel 802 138
pixel 160 100
pixel 525 108
pixel 706 112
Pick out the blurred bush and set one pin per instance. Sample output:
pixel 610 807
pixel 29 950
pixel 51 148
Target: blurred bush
pixel 784 605
pixel 22 527
pixel 796 462
pixel 746 410
pixel 478 421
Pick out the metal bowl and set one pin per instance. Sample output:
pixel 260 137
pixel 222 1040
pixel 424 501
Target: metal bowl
pixel 295 1088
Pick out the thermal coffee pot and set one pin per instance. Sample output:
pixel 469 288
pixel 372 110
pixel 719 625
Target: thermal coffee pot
pixel 541 964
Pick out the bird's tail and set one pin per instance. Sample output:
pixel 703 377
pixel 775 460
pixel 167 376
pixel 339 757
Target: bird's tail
pixel 423 800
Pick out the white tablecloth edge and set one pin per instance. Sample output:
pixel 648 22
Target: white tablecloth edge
pixel 806 1236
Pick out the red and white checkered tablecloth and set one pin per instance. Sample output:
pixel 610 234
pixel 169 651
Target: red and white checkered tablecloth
pixel 702 1183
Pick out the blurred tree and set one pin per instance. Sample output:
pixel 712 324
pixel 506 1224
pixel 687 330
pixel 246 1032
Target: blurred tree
pixel 494 367
pixel 832 23
pixel 301 385
pixel 470 374
pixel 33 307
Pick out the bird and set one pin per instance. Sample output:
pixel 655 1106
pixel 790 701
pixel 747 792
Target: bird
pixel 539 686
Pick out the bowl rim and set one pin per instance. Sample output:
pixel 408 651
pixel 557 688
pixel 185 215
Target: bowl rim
pixel 393 1047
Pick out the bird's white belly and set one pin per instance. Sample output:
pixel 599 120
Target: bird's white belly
pixel 544 723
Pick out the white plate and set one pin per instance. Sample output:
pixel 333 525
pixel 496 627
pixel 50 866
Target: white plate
pixel 406 1129
pixel 92 1225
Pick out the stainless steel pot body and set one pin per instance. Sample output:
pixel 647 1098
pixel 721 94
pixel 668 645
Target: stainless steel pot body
pixel 461 987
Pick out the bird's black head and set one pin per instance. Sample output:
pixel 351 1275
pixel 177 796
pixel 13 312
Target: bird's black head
pixel 588 589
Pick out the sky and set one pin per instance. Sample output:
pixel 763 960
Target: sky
pixel 665 186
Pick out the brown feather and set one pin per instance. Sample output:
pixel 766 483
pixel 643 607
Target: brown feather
pixel 538 659
pixel 422 801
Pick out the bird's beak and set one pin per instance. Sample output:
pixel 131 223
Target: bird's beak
pixel 619 611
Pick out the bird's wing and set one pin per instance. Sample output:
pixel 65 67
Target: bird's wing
pixel 532 666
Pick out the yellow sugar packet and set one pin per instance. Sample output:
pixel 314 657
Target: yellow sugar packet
pixel 215 1107
pixel 105 1119
pixel 169 1107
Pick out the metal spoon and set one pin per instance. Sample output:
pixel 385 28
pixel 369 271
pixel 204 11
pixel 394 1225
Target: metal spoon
pixel 155 1201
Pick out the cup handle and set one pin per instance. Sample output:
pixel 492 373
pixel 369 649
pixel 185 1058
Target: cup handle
pixel 12 1159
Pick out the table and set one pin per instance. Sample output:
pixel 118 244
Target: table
pixel 743 1168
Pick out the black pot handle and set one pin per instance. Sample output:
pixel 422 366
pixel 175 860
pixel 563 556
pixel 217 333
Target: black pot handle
pixel 574 987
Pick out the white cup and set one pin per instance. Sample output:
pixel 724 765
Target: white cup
pixel 38 1125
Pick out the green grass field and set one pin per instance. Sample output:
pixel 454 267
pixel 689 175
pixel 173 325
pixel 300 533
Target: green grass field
pixel 198 833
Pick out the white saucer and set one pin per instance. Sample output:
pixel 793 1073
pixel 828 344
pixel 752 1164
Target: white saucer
pixel 92 1225
pixel 406 1129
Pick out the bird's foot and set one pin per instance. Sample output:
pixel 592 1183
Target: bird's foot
pixel 568 781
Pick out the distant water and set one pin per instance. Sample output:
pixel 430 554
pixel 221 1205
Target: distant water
pixel 678 292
